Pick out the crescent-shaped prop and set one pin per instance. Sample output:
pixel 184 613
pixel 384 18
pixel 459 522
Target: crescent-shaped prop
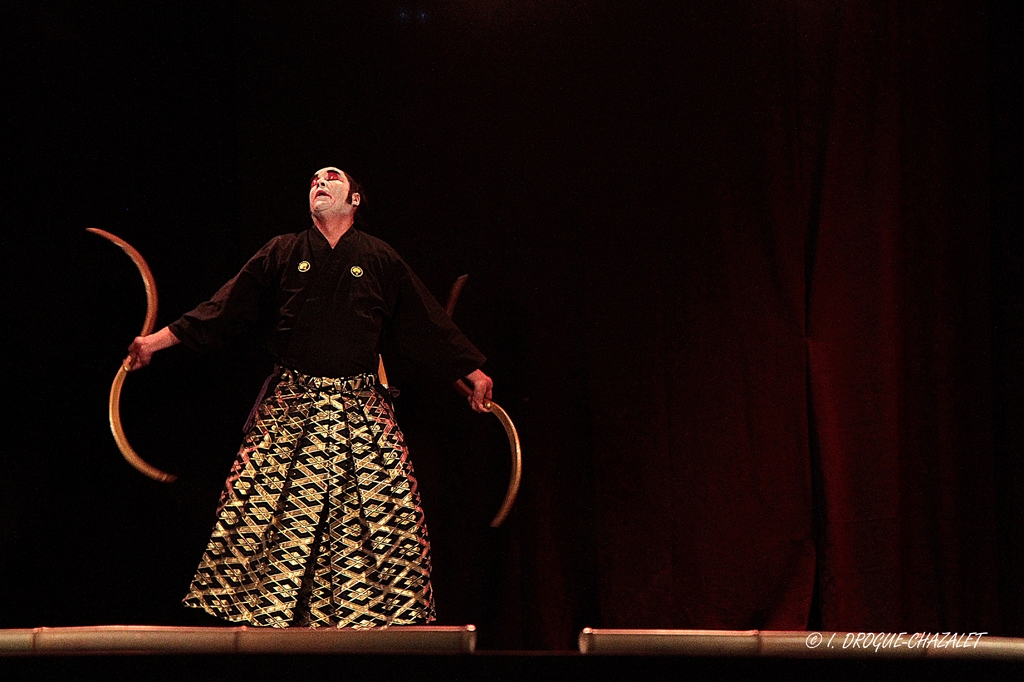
pixel 114 406
pixel 517 454
pixel 502 415
pixel 453 295
pixel 517 464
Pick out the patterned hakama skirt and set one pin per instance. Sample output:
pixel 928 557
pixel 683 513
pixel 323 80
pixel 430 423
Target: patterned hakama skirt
pixel 320 521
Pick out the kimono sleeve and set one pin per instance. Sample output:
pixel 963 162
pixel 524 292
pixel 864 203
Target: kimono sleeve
pixel 234 310
pixel 422 332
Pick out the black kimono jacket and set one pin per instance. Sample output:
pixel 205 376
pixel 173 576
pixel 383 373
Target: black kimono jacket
pixel 327 311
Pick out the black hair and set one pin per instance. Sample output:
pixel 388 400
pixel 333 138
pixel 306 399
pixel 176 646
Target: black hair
pixel 354 188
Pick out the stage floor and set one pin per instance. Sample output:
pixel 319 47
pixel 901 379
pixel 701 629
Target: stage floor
pixel 449 653
pixel 454 640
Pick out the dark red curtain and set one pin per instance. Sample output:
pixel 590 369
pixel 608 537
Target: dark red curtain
pixel 787 336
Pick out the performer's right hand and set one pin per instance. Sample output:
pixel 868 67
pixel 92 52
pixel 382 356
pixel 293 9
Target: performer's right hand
pixel 141 350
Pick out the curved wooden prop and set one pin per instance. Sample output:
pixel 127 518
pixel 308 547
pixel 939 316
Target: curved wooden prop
pixel 502 415
pixel 453 295
pixel 517 455
pixel 114 407
pixel 517 464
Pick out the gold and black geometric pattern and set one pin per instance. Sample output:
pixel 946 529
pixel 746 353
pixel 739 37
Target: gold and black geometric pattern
pixel 320 521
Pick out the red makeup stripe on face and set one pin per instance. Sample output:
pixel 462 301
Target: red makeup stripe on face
pixel 329 176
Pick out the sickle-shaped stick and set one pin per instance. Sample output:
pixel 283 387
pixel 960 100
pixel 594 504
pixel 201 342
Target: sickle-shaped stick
pixel 502 415
pixel 114 407
pixel 517 454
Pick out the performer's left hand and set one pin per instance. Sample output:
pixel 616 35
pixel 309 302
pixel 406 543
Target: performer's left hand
pixel 482 385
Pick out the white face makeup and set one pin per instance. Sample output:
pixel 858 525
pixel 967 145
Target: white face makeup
pixel 328 193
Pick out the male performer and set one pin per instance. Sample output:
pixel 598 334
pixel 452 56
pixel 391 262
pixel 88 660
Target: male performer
pixel 320 521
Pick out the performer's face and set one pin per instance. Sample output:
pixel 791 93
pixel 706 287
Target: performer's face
pixel 328 193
